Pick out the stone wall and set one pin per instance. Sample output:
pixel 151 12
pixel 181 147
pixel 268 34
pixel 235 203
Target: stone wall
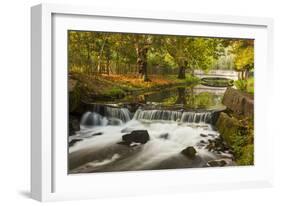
pixel 239 102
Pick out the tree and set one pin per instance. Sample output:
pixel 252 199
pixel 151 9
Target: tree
pixel 244 57
pixel 142 44
pixel 192 53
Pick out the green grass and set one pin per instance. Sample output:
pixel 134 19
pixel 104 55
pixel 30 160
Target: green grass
pixel 250 86
pixel 114 92
pixel 245 85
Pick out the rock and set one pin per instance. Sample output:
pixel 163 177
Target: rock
pixel 202 142
pixel 189 152
pixel 203 135
pixel 97 134
pixel 73 125
pixel 239 102
pixel 138 136
pixel 72 142
pixel 216 163
pixel 124 143
pixel 227 127
pixel 164 136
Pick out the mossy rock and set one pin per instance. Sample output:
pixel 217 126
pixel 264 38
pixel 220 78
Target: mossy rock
pixel 228 127
pixel 237 137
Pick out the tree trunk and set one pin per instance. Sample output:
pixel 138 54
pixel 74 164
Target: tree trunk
pixel 181 96
pixel 107 66
pixel 142 62
pixel 247 74
pixel 100 55
pixel 181 74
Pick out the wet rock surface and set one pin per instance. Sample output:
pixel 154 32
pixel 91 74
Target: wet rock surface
pixel 189 152
pixel 137 136
pixel 216 163
pixel 73 142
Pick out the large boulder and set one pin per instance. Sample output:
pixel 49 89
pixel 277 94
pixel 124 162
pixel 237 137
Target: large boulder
pixel 239 102
pixel 189 152
pixel 137 136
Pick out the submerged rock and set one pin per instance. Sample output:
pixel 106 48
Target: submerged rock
pixel 73 142
pixel 216 163
pixel 203 135
pixel 164 136
pixel 97 134
pixel 189 152
pixel 138 136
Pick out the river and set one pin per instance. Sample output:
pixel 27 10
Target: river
pixel 173 119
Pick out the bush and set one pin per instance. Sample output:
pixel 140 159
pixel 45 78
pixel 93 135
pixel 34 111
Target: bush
pixel 247 156
pixel 190 79
pixel 241 85
pixel 245 85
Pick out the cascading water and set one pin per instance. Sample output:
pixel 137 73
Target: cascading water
pixel 103 115
pixel 98 148
pixel 179 116
pixel 93 119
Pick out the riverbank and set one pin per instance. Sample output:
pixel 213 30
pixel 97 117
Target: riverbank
pixel 91 88
pixel 236 125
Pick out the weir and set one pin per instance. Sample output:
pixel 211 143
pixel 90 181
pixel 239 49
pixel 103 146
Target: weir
pixel 179 116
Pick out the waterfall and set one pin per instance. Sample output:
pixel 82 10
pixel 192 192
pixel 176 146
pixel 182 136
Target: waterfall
pixel 119 113
pixel 196 117
pixel 93 119
pixel 103 115
pixel 158 115
pixel 180 116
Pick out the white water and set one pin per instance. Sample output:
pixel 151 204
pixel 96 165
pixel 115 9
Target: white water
pixel 181 129
pixel 179 116
pixel 112 116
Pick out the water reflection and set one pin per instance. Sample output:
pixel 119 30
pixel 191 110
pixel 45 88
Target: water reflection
pixel 187 97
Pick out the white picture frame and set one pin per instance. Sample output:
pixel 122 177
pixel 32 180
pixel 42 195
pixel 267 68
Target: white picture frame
pixel 49 179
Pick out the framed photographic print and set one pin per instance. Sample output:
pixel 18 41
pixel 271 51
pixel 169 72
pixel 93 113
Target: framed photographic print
pixel 137 102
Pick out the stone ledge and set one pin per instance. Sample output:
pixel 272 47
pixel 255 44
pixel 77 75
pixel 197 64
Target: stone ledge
pixel 239 102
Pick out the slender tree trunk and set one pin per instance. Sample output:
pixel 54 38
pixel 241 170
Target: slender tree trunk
pixel 107 66
pixel 88 59
pixel 181 96
pixel 247 74
pixel 181 74
pixel 100 55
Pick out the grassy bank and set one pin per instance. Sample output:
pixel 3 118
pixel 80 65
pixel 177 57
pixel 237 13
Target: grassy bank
pixel 103 87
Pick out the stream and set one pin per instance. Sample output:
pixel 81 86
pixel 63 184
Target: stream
pixel 166 123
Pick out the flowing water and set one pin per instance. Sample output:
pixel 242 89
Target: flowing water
pixel 99 146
